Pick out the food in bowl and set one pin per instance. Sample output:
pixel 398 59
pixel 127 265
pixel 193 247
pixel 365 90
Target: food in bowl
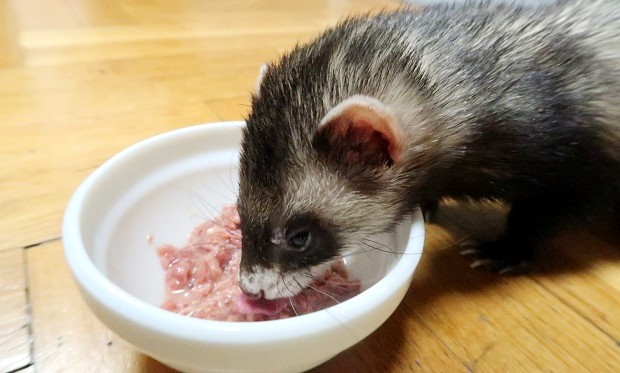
pixel 201 278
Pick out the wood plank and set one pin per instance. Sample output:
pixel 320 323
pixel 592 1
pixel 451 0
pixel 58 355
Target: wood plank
pixel 73 14
pixel 207 47
pixel 231 109
pixel 14 312
pixel 579 261
pixel 513 324
pixel 38 179
pixel 157 93
pixel 575 288
pixel 596 263
pixel 11 52
pixel 65 333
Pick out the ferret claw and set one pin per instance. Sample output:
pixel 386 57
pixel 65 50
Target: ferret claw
pixel 482 263
pixel 468 243
pixel 514 269
pixel 469 252
pixel 490 257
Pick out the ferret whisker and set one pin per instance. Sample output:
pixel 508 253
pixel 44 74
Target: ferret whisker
pixel 230 173
pixel 376 246
pixel 324 293
pixel 208 207
pixel 380 244
pixel 224 227
pixel 215 212
pixel 366 253
pixel 309 273
pixel 352 253
pixel 205 208
pixel 348 254
pixel 217 174
pixel 303 292
pixel 281 278
pixel 378 249
pixel 290 300
pixel 229 231
pixel 314 278
pixel 339 284
pixel 278 287
pixel 387 250
pixel 210 190
pixel 197 197
pixel 300 286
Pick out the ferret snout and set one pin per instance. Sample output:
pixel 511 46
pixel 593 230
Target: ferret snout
pixel 250 291
pixel 271 283
pixel 249 283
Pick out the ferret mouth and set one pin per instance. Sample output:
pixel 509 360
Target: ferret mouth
pixel 272 283
pixel 267 307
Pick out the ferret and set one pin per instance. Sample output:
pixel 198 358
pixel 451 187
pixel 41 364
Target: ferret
pixel 349 133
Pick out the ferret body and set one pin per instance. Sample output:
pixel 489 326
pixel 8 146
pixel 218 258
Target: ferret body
pixel 350 133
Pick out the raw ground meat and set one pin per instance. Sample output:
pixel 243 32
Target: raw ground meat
pixel 201 278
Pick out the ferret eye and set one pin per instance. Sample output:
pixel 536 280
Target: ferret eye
pixel 299 239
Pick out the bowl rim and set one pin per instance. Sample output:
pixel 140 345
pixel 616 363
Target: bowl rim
pixel 140 313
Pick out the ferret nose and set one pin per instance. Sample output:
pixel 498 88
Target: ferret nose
pixel 251 293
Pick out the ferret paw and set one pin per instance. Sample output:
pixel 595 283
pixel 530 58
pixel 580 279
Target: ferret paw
pixel 494 257
pixel 468 247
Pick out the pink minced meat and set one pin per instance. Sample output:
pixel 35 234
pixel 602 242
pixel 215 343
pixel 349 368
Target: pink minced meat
pixel 201 278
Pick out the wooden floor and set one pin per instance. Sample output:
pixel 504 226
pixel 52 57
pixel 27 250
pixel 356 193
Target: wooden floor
pixel 82 79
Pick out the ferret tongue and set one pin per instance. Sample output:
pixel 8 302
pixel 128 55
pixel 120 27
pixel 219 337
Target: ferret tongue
pixel 258 306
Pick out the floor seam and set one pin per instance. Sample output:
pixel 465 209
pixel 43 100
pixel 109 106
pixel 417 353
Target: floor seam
pixel 28 310
pixel 21 368
pixel 30 246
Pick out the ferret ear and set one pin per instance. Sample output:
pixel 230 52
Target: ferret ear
pixel 259 79
pixel 360 132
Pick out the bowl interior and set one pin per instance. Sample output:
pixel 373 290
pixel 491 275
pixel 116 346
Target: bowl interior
pixel 157 191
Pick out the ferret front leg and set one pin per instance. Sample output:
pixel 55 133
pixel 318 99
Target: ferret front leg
pixel 530 224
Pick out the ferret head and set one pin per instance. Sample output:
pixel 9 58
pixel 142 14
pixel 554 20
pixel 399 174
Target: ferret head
pixel 311 186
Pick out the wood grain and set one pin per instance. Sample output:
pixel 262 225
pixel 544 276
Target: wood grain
pixel 15 329
pixel 82 79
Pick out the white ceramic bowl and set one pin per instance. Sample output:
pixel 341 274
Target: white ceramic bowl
pixel 155 192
